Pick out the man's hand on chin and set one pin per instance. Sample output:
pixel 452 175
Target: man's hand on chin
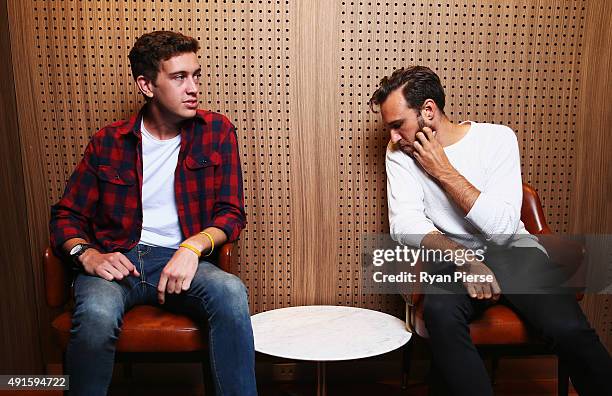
pixel 177 274
pixel 430 154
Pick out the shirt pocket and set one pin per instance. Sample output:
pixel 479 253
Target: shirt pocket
pixel 201 173
pixel 196 162
pixel 118 193
pixel 109 174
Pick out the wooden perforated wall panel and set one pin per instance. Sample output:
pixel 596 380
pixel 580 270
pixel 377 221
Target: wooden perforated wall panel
pixel 295 78
pixel 592 194
pixel 83 81
pixel 515 63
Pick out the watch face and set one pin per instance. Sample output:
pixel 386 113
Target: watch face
pixel 76 249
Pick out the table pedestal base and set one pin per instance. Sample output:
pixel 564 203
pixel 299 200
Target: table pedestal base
pixel 321 384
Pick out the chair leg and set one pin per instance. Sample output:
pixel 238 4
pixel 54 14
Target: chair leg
pixel 494 367
pixel 406 358
pixel 562 378
pixel 128 371
pixel 209 385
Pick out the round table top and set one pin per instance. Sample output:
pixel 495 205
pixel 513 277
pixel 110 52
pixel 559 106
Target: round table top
pixel 327 333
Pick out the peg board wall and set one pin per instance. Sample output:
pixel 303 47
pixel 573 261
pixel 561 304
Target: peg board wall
pixel 295 77
pixel 503 62
pixel 84 82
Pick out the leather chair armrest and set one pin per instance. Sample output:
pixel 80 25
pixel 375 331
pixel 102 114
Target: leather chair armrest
pixel 225 257
pixel 56 279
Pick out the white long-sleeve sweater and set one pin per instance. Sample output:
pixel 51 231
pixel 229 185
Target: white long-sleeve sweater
pixel 488 157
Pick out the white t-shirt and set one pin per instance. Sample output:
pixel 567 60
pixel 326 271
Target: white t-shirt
pixel 160 223
pixel 488 157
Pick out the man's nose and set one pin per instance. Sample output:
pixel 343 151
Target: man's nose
pixel 395 136
pixel 192 86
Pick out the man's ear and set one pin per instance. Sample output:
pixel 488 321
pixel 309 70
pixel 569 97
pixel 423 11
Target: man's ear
pixel 145 86
pixel 428 110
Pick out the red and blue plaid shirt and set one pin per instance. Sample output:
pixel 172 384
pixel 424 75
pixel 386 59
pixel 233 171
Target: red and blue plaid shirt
pixel 102 201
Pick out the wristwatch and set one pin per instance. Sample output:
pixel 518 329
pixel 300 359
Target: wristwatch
pixel 76 251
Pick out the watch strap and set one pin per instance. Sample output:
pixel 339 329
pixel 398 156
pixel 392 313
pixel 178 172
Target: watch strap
pixel 75 256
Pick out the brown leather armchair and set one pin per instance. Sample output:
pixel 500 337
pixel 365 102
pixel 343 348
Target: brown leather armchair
pixel 499 330
pixel 148 333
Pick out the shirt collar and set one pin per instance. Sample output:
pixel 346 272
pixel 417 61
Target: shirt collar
pixel 133 125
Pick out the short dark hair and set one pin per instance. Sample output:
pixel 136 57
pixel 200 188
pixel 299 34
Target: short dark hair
pixel 152 48
pixel 418 84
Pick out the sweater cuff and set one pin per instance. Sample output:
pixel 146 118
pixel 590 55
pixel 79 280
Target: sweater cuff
pixel 417 233
pixel 481 212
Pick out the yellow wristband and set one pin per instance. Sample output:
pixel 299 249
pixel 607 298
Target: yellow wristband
pixel 188 246
pixel 212 243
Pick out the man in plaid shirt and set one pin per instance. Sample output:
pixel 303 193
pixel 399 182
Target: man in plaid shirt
pixel 151 198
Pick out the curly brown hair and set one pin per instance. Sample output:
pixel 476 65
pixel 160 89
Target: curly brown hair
pixel 418 84
pixel 152 48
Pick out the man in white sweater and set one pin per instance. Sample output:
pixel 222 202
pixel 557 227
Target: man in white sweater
pixel 458 186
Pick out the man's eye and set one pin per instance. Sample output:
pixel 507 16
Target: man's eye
pixel 179 77
pixel 197 76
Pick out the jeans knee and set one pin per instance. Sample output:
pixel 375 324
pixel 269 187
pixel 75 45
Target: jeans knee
pixel 234 292
pixel 230 296
pixel 95 324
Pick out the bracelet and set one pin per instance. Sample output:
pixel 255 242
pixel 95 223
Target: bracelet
pixel 212 243
pixel 188 246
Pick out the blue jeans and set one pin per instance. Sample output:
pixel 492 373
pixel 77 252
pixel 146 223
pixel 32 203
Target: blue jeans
pixel 215 296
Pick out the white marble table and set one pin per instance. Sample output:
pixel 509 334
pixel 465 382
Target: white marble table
pixel 324 333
